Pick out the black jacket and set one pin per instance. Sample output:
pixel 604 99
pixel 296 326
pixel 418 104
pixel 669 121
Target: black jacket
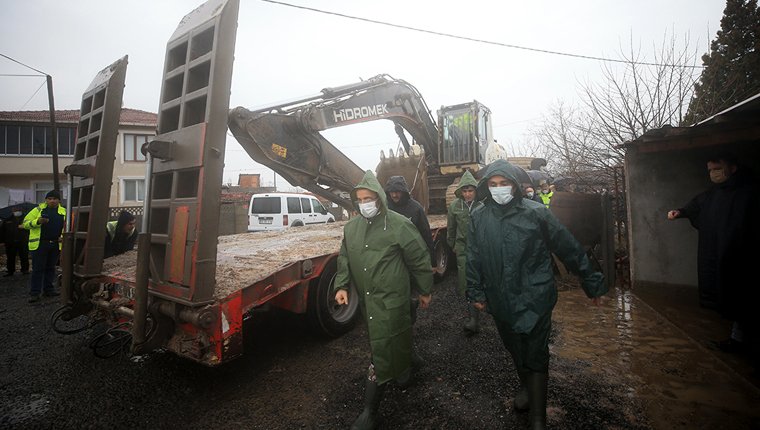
pixel 727 219
pixel 11 234
pixel 409 208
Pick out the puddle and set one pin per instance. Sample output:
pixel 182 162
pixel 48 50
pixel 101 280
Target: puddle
pixel 639 350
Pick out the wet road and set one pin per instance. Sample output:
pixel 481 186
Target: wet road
pixel 680 383
pixel 622 365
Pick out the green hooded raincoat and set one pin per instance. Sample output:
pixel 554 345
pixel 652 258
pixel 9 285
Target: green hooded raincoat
pixel 457 226
pixel 514 274
pixel 383 256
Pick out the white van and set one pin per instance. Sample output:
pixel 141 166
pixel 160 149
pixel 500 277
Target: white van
pixel 277 211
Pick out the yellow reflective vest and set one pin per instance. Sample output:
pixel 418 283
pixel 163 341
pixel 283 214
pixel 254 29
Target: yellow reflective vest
pixel 31 223
pixel 546 198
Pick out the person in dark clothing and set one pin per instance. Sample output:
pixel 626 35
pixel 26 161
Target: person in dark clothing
pixel 121 235
pixel 15 239
pixel 510 243
pixel 726 217
pixel 45 224
pixel 530 193
pixel 401 202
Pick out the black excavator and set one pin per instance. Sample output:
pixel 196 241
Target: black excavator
pixel 286 137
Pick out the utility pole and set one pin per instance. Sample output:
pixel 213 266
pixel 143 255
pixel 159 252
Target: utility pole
pixel 54 143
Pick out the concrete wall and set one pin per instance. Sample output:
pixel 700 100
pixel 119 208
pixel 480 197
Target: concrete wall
pixel 662 251
pixel 233 218
pixel 23 165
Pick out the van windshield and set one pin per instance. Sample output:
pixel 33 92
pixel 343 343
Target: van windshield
pixel 266 205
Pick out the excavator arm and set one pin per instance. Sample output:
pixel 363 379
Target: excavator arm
pixel 286 137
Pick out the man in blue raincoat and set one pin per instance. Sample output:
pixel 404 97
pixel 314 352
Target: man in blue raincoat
pixel 384 257
pixel 509 274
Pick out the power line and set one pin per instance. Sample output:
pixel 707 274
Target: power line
pixel 21 76
pixel 35 93
pixel 472 39
pixel 25 65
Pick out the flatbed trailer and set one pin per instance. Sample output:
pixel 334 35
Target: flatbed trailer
pixel 292 270
pixel 185 288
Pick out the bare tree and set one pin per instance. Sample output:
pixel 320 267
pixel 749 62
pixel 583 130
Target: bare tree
pixel 627 102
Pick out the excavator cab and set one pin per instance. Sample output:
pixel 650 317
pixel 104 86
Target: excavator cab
pixel 465 135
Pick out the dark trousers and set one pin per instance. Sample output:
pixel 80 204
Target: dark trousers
pixel 44 260
pixel 11 251
pixel 529 351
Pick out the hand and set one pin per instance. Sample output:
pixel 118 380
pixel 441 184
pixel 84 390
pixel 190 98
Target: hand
pixel 341 297
pixel 674 214
pixel 597 301
pixel 425 301
pixel 42 220
pixel 481 306
pixel 20 226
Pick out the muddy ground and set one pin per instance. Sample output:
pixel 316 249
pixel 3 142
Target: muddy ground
pixel 620 366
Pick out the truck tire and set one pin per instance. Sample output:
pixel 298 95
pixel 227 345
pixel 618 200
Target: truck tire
pixel 442 255
pixel 324 315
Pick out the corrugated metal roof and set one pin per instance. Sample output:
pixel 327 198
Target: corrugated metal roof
pixel 128 116
pixel 748 110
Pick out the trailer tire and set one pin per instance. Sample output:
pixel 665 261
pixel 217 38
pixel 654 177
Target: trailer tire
pixel 442 256
pixel 324 315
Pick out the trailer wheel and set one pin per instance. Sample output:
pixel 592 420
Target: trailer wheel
pixel 324 314
pixel 441 252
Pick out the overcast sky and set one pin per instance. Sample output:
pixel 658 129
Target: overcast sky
pixel 284 53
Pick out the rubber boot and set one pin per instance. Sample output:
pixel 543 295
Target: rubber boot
pixel 537 390
pixel 417 361
pixel 368 419
pixel 521 402
pixel 472 325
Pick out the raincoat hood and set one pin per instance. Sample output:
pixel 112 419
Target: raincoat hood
pixel 500 168
pixel 397 183
pixel 370 182
pixel 467 180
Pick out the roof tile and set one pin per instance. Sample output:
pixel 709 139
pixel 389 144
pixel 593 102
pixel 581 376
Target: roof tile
pixel 128 116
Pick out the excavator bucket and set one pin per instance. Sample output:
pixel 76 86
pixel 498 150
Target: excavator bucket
pixel 412 167
pixel 306 160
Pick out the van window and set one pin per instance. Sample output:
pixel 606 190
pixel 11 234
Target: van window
pixel 318 208
pixel 294 205
pixel 266 205
pixel 305 205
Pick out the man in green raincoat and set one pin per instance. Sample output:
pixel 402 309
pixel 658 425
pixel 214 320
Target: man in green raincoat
pixel 509 274
pixel 458 223
pixel 385 258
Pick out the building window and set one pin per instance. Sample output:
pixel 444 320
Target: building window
pixel 132 145
pixel 134 190
pixel 42 188
pixel 37 140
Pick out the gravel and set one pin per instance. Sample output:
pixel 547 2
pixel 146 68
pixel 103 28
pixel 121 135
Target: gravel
pixel 288 378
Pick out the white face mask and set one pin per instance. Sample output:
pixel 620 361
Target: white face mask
pixel 529 194
pixel 501 195
pixel 17 214
pixel 369 209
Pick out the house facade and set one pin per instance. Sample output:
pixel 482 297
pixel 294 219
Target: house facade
pixel 26 161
